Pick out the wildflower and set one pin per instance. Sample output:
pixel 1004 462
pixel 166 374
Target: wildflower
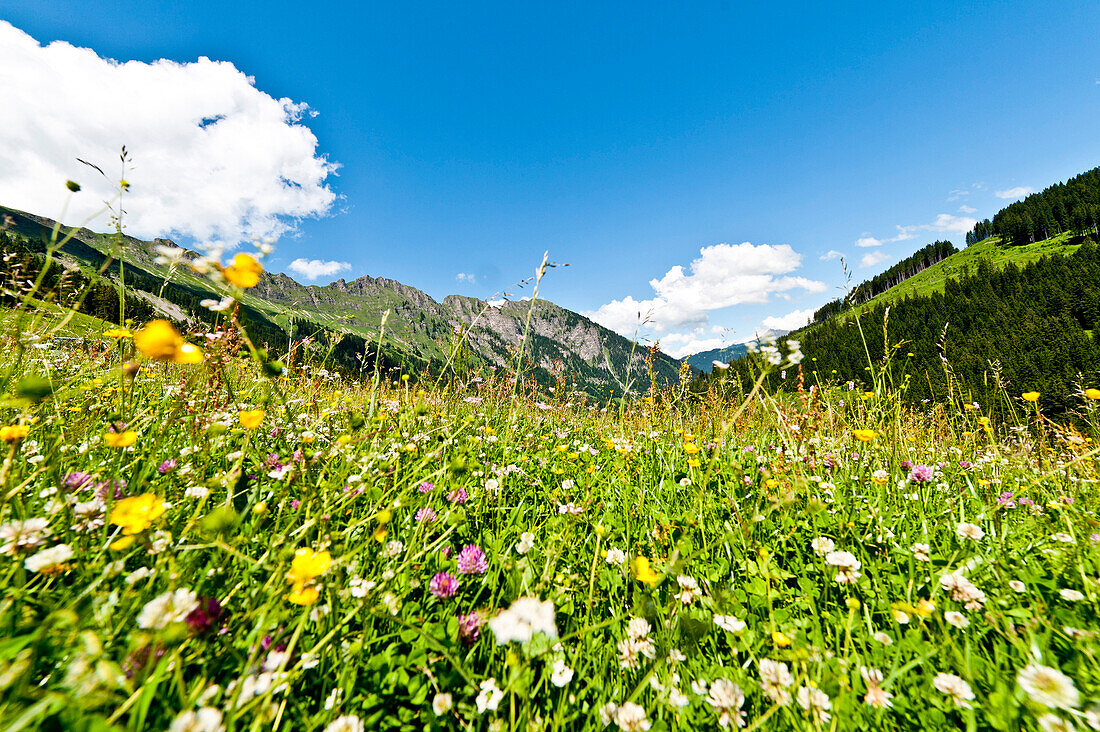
pixel 392 549
pixel 822 545
pixel 1030 396
pixel 346 723
pixel 471 560
pixel 1053 723
pixel 250 419
pixel 205 615
pixel 1092 393
pixel 643 572
pixel 864 435
pixel 488 699
pixel 244 272
pixel 921 473
pixel 561 674
pixel 469 627
pixel 816 702
pixel 689 589
pixel 921 552
pixel 847 563
pixel 136 513
pixel 167 608
pixel 24 536
pixel 883 638
pixel 727 699
pixel 954 687
pixel 160 341
pixel 615 557
pixel 204 719
pixel 525 617
pixel 441 704
pixel 425 515
pixel 1017 585
pixel 956 619
pixel 50 561
pixel 307 565
pixel 875 696
pixel 457 497
pixel 1062 537
pixel 126 438
pixel 1071 595
pixel 880 477
pixel 729 623
pixel 966 530
pixel 631 717
pixel 963 590
pixel 443 585
pixel 775 677
pixel 14 432
pixel 1048 686
pixel 526 542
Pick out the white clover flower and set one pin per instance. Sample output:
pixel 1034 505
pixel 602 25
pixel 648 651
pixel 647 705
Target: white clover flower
pixel 921 552
pixel 775 677
pixel 632 718
pixel 954 687
pixel 816 702
pixel 205 719
pixel 729 623
pixel 346 723
pixel 822 545
pixel 1067 595
pixel 441 704
pixel 615 557
pixel 561 673
pixel 520 622
pixel 1048 686
pixel 526 542
pixel 1017 585
pixel 49 559
pixel 167 608
pixel 956 619
pixel 488 699
pixel 966 530
pixel 689 589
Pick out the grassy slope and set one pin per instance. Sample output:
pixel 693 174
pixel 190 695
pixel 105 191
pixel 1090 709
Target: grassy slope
pixel 934 279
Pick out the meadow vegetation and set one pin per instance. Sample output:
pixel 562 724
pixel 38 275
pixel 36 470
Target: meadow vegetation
pixel 196 535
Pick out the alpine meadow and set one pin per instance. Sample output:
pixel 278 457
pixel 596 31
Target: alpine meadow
pixel 238 500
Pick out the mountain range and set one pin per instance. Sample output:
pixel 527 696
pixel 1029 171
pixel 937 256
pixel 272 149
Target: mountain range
pixel 419 333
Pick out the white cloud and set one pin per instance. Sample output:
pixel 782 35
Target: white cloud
pixel 315 269
pixel 465 277
pixel 830 255
pixel 214 158
pixel 868 241
pixel 792 320
pixel 870 259
pixel 967 209
pixel 957 194
pixel 1017 192
pixel 722 275
pixel 679 345
pixel 944 224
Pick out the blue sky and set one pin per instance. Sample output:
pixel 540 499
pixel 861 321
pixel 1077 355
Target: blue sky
pixel 628 139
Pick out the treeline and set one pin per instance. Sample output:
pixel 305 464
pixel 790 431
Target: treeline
pixel 1073 206
pixel 1036 323
pixel 903 270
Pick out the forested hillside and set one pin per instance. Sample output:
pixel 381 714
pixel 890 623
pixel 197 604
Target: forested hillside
pixel 1073 206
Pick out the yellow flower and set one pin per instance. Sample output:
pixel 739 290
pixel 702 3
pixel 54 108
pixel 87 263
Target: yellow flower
pixel 1030 396
pixel 245 271
pixel 780 639
pixel 380 534
pixel 160 341
pixel 864 435
pixel 124 543
pixel 643 572
pixel 300 594
pixel 14 432
pixel 136 513
pixel 117 333
pixel 307 565
pixel 691 448
pixel 1092 393
pixel 250 418
pixel 925 608
pixel 120 439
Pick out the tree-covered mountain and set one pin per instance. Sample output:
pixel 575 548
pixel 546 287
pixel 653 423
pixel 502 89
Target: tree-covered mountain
pixel 1007 312
pixel 343 319
pixel 1072 207
pixel 704 360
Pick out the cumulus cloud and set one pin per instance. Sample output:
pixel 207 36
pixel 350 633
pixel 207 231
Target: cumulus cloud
pixel 868 241
pixel 466 277
pixel 870 259
pixel 957 194
pixel 214 158
pixel 967 209
pixel 679 345
pixel 1017 192
pixel 315 269
pixel 792 320
pixel 831 255
pixel 722 275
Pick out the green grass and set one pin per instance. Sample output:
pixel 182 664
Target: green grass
pixel 747 514
pixel 934 279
